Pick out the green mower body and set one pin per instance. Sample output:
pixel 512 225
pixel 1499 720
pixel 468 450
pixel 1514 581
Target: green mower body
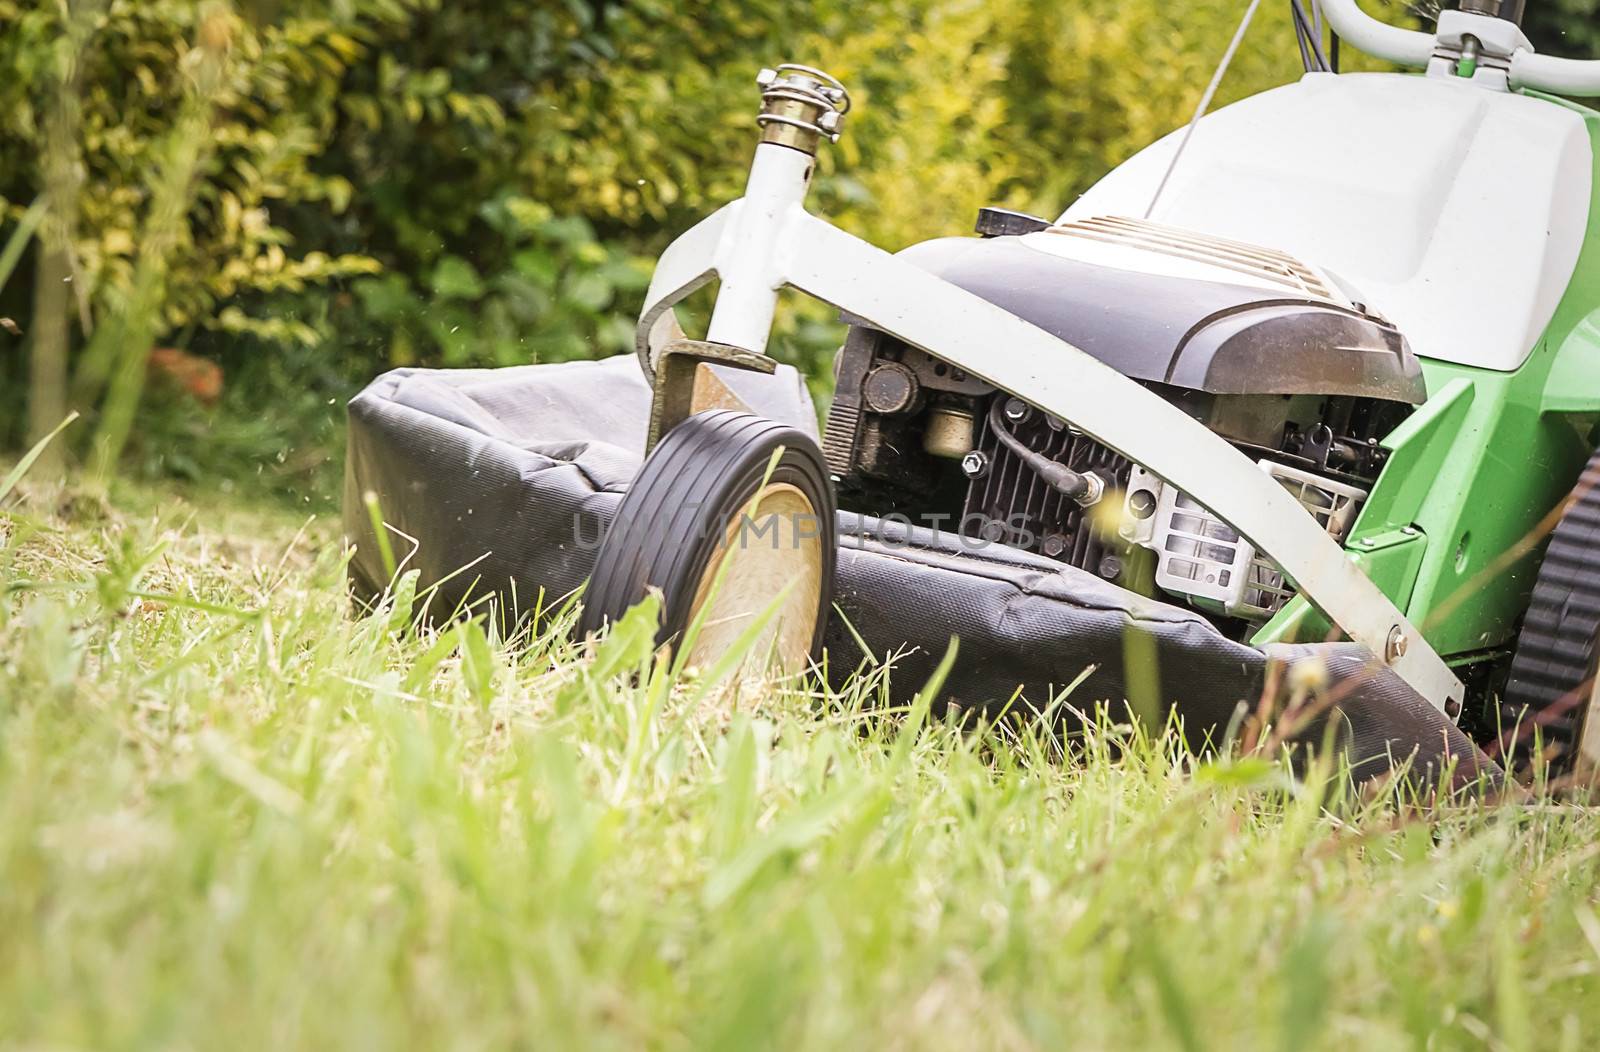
pixel 1456 525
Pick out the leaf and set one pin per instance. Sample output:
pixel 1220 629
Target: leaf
pixel 423 668
pixel 791 833
pixel 569 230
pixel 403 597
pixel 923 703
pixel 591 292
pixel 1244 772
pixel 1174 1001
pixel 736 795
pixel 627 647
pixel 631 640
pixel 386 298
pixel 1306 984
pixel 538 265
pixel 477 662
pixel 455 278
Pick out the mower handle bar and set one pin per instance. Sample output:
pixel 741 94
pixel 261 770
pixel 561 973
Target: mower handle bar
pixel 1409 47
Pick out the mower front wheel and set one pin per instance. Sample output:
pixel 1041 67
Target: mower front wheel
pixel 711 499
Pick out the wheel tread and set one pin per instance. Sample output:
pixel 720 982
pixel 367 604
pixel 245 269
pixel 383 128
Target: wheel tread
pixel 1556 649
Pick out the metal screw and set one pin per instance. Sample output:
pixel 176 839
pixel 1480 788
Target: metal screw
pixel 1017 410
pixel 766 78
pixel 829 122
pixel 1053 544
pixel 1395 648
pixel 1111 567
pixel 975 464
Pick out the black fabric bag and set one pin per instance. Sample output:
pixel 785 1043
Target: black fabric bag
pixel 506 480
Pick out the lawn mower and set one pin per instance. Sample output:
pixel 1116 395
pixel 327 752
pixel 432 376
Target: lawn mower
pixel 1325 364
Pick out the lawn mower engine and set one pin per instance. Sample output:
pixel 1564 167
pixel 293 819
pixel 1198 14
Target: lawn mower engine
pixel 1265 350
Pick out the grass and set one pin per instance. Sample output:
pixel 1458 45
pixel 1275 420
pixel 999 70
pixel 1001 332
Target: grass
pixel 234 816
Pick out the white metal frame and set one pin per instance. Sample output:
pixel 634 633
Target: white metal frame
pixel 1409 47
pixel 766 241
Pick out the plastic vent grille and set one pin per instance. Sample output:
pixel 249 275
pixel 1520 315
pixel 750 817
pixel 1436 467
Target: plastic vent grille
pixel 1198 554
pixel 1266 264
pixel 1332 504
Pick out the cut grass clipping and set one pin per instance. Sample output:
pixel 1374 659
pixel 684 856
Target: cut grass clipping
pixel 233 815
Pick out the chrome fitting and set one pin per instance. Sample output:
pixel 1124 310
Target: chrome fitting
pixel 800 106
pixel 1096 491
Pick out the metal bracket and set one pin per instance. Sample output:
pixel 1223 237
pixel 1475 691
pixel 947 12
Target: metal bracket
pixel 685 383
pixel 1476 46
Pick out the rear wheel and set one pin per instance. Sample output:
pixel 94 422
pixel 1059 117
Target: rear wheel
pixel 705 503
pixel 1550 693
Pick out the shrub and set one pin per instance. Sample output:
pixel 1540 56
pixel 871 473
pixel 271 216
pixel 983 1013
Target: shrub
pixel 388 182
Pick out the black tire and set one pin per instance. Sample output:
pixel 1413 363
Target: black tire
pixel 1549 688
pixel 676 515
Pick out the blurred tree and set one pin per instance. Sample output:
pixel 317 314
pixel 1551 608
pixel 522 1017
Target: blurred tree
pixel 399 181
pixel 157 164
pixel 1564 27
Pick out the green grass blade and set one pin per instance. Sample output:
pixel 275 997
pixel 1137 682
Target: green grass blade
pixel 17 243
pixel 14 476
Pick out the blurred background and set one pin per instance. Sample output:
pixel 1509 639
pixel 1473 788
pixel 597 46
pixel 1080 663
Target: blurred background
pixel 218 221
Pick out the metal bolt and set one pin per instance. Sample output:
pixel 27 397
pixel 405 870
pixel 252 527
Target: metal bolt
pixel 829 122
pixel 975 464
pixel 1111 567
pixel 1097 490
pixel 766 78
pixel 1016 410
pixel 1053 544
pixel 1395 648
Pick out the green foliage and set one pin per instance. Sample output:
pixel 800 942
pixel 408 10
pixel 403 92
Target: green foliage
pixel 1093 82
pixel 550 298
pixel 397 182
pixel 133 76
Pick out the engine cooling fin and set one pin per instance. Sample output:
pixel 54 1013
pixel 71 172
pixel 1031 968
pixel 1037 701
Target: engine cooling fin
pixel 1553 668
pixel 1019 508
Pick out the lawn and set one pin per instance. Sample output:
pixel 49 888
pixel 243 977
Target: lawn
pixel 233 815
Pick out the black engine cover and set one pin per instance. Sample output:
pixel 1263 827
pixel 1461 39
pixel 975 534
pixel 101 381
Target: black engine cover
pixel 1211 336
